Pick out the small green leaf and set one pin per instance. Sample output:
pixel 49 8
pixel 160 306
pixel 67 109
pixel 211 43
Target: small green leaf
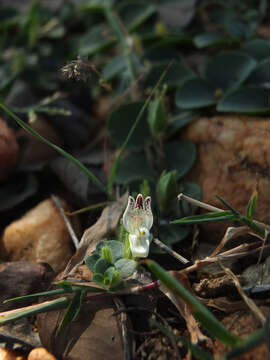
pixel 176 75
pixel 227 77
pixel 135 13
pixel 106 254
pixel 157 118
pixel 134 167
pixel 114 67
pixel 252 205
pixel 72 311
pixel 95 40
pixel 101 266
pixel 126 267
pixel 195 94
pixel 116 247
pixel 98 279
pixel 249 100
pixel 212 38
pixel 120 122
pixel 261 73
pixel 167 191
pixel 199 311
pixel 258 48
pixel 209 217
pixel 180 119
pixel 91 260
pixel 179 156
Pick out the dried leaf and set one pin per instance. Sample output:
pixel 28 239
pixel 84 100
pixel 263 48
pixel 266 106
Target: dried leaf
pixel 95 333
pixel 105 226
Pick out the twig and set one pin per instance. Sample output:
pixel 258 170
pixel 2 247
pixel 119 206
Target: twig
pixel 198 203
pixel 170 251
pixel 72 234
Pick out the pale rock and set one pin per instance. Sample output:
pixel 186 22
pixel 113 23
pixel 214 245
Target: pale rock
pixel 40 354
pixel 40 235
pixel 233 160
pixel 6 354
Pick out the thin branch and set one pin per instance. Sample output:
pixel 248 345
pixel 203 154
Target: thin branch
pixel 72 234
pixel 170 251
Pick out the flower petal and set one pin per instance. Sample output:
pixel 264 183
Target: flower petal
pixel 128 215
pixel 148 216
pixel 139 202
pixel 139 245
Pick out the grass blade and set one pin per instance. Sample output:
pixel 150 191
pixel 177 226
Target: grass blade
pixel 64 290
pixel 12 315
pixel 72 311
pixel 209 217
pixel 198 310
pixel 252 204
pixel 62 152
pixel 228 206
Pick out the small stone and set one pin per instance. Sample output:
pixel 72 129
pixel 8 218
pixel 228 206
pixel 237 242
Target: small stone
pixel 40 235
pixel 8 150
pixel 21 278
pixel 6 354
pixel 40 354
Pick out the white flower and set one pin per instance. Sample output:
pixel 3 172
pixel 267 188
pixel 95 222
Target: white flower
pixel 138 220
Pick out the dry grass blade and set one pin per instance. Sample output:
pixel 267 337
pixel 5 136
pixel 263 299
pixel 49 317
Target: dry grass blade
pixel 231 233
pixel 249 302
pixel 104 227
pixel 235 253
pixel 196 335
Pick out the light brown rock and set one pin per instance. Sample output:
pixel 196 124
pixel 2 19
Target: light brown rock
pixel 6 354
pixel 233 160
pixel 8 150
pixel 40 354
pixel 40 235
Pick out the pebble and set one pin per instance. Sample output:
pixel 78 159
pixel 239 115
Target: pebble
pixel 40 235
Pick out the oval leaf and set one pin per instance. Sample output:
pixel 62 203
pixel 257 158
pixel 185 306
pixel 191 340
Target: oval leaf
pixel 195 94
pixel 258 49
pixel 126 267
pixel 249 100
pixel 121 121
pixel 176 75
pixel 180 157
pixel 229 69
pixel 116 247
pixel 134 167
